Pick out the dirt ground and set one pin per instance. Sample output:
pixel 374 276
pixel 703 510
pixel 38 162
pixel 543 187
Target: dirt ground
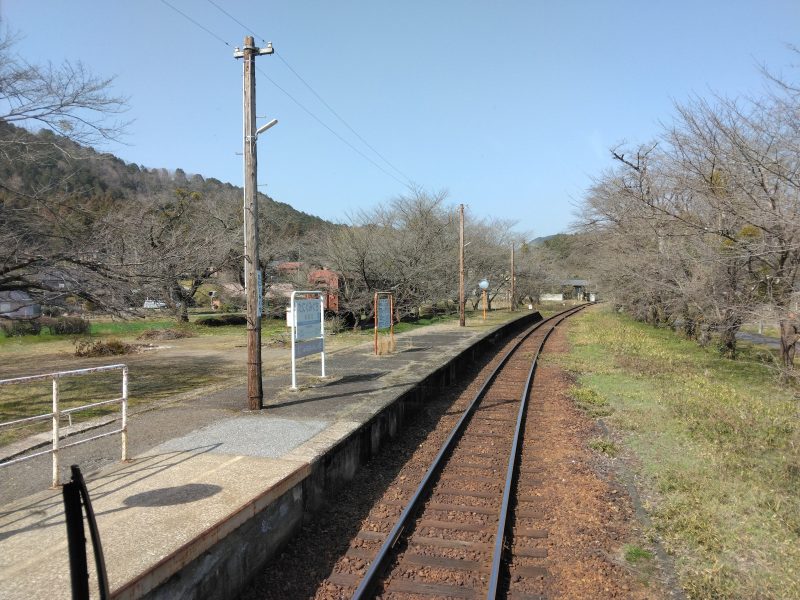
pixel 588 515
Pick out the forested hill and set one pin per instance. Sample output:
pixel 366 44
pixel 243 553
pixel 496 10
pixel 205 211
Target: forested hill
pixel 43 165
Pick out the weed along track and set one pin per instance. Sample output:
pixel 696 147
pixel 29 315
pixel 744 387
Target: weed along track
pixel 463 523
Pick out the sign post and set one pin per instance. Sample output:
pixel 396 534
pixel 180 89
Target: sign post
pixel 384 315
pixel 308 328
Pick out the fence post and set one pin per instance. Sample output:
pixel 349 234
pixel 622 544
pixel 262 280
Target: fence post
pixel 124 432
pixel 56 433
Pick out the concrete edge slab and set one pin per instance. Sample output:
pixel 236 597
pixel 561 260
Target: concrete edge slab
pixel 166 567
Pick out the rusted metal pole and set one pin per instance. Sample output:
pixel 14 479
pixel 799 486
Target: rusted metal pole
pixel 513 281
pixel 375 319
pixel 461 316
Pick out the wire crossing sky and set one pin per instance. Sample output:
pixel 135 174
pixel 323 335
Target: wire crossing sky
pixel 511 106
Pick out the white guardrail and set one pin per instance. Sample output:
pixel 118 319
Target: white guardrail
pixel 57 413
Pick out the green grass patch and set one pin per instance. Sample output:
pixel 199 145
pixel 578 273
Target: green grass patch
pixel 635 554
pixel 590 401
pixel 129 328
pixel 607 447
pixel 718 446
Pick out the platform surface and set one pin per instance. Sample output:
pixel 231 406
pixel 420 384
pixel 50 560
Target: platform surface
pixel 178 496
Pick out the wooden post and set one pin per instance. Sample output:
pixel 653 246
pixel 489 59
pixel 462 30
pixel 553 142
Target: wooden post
pixel 255 393
pixel 461 316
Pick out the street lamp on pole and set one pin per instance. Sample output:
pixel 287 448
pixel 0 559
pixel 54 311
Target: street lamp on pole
pixel 484 285
pixel 263 128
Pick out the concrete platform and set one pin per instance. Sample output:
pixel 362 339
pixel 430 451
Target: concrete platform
pixel 197 515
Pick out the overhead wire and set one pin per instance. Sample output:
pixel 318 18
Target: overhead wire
pixel 190 19
pixel 232 18
pixel 407 183
pixel 338 116
pixel 333 131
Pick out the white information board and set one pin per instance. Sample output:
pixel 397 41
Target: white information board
pixel 308 329
pixel 308 319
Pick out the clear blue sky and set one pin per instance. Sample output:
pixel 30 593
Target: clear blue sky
pixel 510 105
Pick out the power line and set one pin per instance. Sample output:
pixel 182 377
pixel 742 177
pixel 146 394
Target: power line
pixel 338 116
pixel 191 20
pixel 293 99
pixel 326 126
pixel 313 91
pixel 232 18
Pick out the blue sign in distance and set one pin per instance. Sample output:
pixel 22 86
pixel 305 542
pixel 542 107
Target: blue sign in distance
pixel 308 319
pixel 260 293
pixel 384 313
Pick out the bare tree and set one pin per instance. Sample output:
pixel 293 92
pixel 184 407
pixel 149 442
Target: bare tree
pixel 704 227
pixel 50 237
pixel 173 244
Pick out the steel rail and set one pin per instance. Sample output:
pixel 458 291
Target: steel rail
pixel 376 566
pixel 513 462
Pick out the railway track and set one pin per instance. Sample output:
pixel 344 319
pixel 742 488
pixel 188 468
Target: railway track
pixel 468 527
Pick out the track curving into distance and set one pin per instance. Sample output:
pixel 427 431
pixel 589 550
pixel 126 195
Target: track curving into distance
pixel 454 535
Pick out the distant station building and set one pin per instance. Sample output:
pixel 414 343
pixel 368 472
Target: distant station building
pixel 571 289
pixel 580 289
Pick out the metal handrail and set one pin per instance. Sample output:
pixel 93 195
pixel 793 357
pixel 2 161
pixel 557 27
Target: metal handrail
pixel 56 413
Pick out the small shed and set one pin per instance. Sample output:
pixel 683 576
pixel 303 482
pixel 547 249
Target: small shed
pixel 579 288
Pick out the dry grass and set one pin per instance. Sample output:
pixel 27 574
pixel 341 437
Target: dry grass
pixel 386 344
pixel 717 446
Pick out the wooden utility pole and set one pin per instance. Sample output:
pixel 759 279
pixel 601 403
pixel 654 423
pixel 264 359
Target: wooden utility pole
pixel 248 53
pixel 513 281
pixel 461 316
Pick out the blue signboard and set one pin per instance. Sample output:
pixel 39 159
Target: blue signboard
pixel 384 313
pixel 260 293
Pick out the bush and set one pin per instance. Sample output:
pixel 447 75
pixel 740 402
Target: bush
pixel 66 325
pixel 87 348
pixel 14 328
pixel 222 320
pixel 165 334
pixel 49 310
pixel 235 304
pixel 334 325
